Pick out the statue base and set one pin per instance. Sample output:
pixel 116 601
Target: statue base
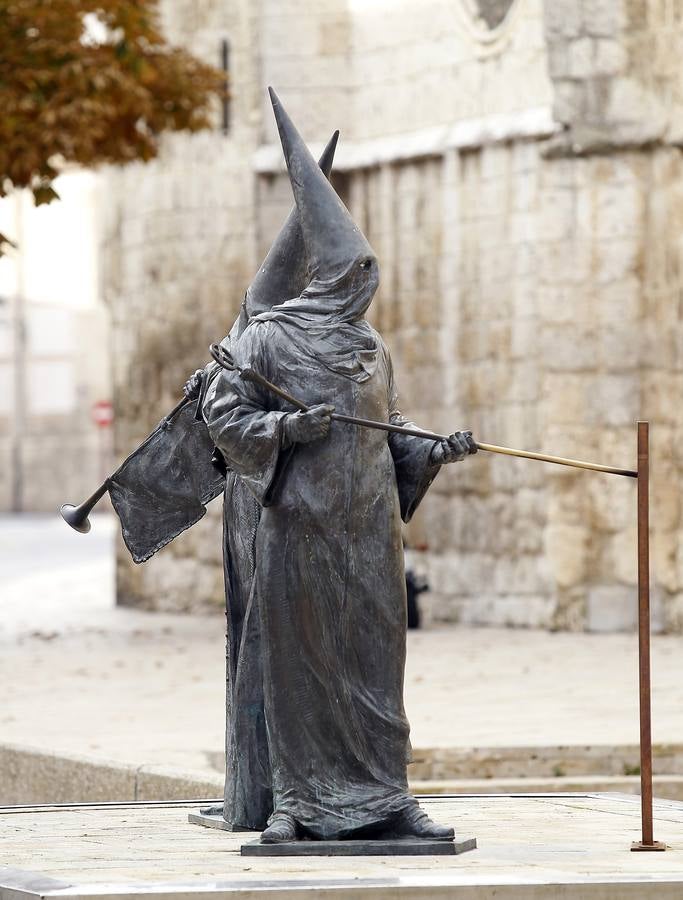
pixel 365 847
pixel 211 819
pixel 369 847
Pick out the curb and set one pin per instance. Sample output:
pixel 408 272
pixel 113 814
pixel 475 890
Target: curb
pixel 32 776
pixel 666 787
pixel 28 775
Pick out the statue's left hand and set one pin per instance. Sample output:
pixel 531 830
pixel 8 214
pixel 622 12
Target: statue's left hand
pixel 193 385
pixel 456 447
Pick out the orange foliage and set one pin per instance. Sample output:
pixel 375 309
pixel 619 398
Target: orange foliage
pixel 71 95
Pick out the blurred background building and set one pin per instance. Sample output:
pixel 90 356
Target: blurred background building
pixel 55 373
pixel 516 164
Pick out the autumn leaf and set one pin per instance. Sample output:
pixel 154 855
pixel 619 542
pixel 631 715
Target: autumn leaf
pixel 44 194
pixel 90 82
pixel 5 240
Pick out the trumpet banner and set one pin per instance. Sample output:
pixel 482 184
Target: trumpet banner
pixel 163 487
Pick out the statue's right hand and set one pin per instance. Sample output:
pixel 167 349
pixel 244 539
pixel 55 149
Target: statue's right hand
pixel 193 385
pixel 303 427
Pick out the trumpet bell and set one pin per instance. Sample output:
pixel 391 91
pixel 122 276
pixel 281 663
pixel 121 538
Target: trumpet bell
pixel 76 517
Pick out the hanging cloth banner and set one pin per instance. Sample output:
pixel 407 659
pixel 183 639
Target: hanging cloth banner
pixel 163 487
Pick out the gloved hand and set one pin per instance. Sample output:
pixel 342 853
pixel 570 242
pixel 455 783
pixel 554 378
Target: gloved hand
pixel 303 427
pixel 456 447
pixel 193 385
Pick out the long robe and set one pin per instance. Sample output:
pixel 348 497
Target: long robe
pixel 248 796
pixel 248 790
pixel 329 582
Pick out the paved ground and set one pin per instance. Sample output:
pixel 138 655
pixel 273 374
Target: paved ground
pixel 536 847
pixel 78 675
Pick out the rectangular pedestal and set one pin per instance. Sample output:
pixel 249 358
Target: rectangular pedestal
pixel 213 821
pixel 403 847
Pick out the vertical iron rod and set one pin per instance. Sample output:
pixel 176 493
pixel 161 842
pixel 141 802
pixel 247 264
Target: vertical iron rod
pixel 644 629
pixel 647 842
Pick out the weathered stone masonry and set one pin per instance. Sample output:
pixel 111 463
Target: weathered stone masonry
pixel 522 188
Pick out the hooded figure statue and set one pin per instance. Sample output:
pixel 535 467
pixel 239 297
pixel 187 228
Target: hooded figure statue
pixel 329 583
pixel 248 789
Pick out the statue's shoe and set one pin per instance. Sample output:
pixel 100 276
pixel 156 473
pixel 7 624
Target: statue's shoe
pixel 281 828
pixel 414 822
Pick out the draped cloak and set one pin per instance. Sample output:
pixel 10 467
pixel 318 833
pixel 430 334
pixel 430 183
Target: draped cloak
pixel 328 586
pixel 248 790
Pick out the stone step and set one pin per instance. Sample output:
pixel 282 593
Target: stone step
pixel 454 763
pixel 28 775
pixel 665 787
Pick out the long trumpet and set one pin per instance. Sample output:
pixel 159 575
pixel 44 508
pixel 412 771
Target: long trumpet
pixel 226 361
pixel 78 516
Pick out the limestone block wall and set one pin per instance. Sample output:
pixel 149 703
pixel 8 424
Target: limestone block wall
pixel 429 64
pixel 530 274
pixel 178 252
pixel 305 54
pixel 536 301
pixel 616 70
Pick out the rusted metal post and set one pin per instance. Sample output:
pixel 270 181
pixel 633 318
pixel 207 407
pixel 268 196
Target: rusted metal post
pixel 647 842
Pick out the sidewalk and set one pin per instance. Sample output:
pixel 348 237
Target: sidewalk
pixel 565 847
pixel 78 675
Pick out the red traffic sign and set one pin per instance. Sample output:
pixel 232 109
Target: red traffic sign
pixel 103 413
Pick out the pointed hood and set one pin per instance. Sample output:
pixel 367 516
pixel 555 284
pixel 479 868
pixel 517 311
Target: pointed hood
pixel 283 273
pixel 333 240
pixel 325 322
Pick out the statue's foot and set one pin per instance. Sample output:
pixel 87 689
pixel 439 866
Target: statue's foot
pixel 282 828
pixel 414 822
pixel 212 810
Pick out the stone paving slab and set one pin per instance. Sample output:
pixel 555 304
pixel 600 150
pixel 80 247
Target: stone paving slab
pixel 532 846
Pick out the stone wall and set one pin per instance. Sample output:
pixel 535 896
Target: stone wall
pixel 178 252
pixel 520 186
pixel 430 64
pixel 564 333
pixel 616 69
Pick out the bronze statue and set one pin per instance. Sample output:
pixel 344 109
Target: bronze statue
pixel 328 586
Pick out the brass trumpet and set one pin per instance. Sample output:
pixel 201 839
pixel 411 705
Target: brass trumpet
pixel 77 517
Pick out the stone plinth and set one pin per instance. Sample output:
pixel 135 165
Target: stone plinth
pixel 532 846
